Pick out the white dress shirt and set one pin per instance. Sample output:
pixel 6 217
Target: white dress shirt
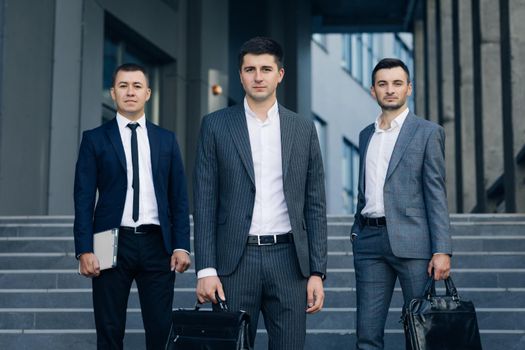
pixel 378 157
pixel 270 212
pixel 148 210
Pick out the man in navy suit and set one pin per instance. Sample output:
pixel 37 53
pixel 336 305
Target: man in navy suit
pixel 401 227
pixel 136 170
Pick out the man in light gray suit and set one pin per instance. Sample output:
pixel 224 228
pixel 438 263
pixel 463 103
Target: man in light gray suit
pixel 401 227
pixel 260 216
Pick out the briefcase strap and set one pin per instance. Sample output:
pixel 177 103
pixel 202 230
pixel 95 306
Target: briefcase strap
pixel 430 288
pixel 223 306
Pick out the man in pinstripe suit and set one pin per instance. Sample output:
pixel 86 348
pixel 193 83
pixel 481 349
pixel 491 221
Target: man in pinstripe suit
pixel 260 214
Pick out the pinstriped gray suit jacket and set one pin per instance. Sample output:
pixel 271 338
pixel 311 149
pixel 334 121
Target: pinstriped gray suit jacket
pixel 414 193
pixel 224 190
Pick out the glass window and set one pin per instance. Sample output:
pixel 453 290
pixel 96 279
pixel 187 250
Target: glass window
pixel 117 51
pixel 321 40
pixel 347 52
pixel 350 176
pixel 358 67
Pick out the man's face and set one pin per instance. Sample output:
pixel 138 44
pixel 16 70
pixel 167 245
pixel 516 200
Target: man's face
pixel 260 76
pixel 391 88
pixel 130 93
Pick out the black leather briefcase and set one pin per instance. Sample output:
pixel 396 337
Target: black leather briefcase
pixel 445 322
pixel 196 329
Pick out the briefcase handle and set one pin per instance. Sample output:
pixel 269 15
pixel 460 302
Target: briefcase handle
pixel 430 288
pixel 223 306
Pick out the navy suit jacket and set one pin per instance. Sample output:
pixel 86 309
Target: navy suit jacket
pixel 101 166
pixel 414 192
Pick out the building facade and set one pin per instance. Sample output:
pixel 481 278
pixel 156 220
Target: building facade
pixel 56 59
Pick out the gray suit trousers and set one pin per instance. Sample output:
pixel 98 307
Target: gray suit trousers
pixel 268 279
pixel 376 270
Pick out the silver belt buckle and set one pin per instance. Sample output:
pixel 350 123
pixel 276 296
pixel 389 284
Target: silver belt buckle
pixel 270 243
pixel 135 231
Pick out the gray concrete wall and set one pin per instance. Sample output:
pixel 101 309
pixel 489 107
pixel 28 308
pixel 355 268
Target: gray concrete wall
pixel 27 87
pixel 154 20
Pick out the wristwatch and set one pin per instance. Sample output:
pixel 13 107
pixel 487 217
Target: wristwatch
pixel 318 274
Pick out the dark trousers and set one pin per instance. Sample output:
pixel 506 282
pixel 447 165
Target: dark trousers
pixel 376 271
pixel 141 258
pixel 268 280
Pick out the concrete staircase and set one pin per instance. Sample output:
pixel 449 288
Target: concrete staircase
pixel 44 303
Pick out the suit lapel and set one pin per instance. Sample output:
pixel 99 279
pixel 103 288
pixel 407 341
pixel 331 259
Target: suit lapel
pixel 287 137
pixel 239 132
pixel 116 141
pixel 367 136
pixel 154 146
pixel 405 135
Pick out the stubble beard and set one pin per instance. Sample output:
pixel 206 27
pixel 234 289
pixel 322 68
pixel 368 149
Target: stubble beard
pixel 387 107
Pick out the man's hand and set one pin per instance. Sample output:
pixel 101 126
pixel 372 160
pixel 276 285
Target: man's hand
pixel 206 288
pixel 440 263
pixel 314 294
pixel 89 265
pixel 180 261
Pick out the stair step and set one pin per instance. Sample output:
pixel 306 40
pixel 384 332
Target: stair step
pixel 134 340
pixel 185 297
pixel 337 277
pixel 62 260
pixel 329 318
pixel 49 304
pixel 335 244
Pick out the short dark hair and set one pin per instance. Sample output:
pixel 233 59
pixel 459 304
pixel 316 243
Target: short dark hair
pixel 260 46
pixel 129 67
pixel 389 63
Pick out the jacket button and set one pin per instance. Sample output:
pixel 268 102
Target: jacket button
pixel 248 217
pixel 253 190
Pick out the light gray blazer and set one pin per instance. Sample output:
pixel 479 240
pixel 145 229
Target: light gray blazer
pixel 224 190
pixel 414 193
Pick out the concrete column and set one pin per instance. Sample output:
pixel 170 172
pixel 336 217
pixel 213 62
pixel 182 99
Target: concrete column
pixel 419 67
pixel 65 105
pixel 298 82
pixel 91 66
pixel 207 65
pixel 467 108
pixel 447 101
pixel 517 32
pixel 432 62
pixel 492 117
pixel 28 31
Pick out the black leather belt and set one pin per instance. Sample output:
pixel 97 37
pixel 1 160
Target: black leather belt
pixel 376 222
pixel 270 239
pixel 140 230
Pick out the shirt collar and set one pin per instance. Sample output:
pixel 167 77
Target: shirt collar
pixel 123 121
pixel 273 112
pixel 397 122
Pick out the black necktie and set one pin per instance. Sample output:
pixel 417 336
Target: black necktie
pixel 135 163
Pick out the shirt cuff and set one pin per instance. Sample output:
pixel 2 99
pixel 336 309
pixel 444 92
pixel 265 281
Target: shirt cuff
pixel 181 250
pixel 207 272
